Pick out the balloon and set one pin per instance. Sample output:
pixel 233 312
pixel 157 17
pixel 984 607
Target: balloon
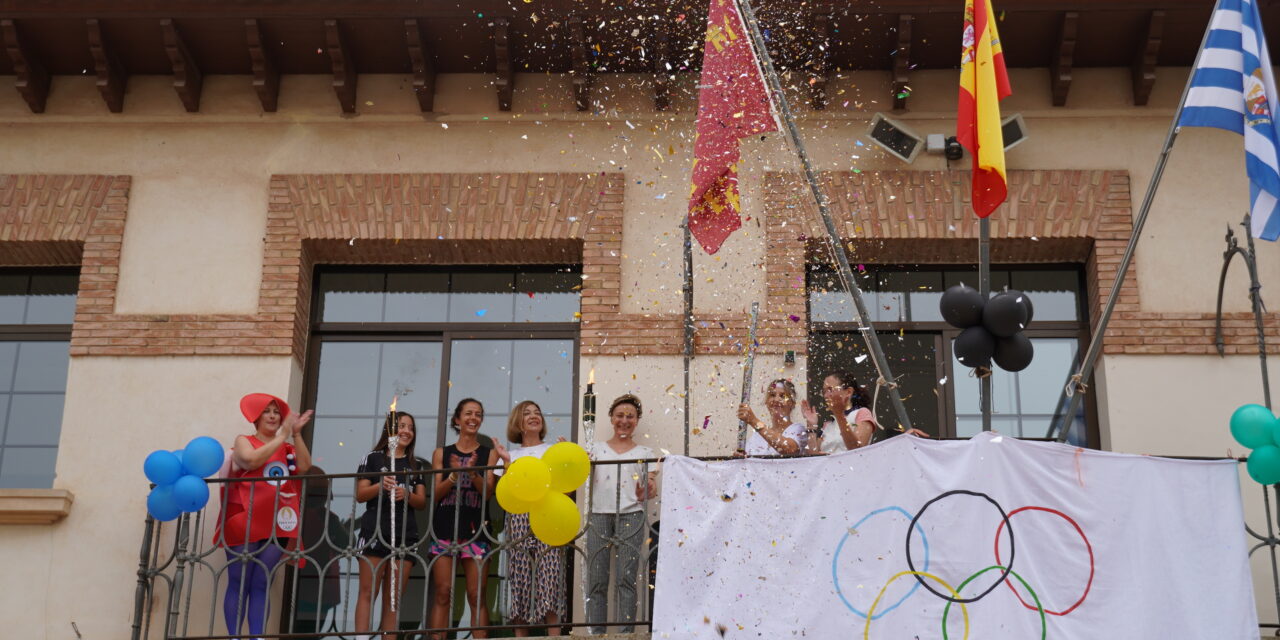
pixel 161 504
pixel 178 452
pixel 202 457
pixel 190 493
pixel 1264 464
pixel 1005 314
pixel 555 520
pixel 974 347
pixel 1015 352
pixel 570 465
pixel 1025 300
pixel 530 479
pixel 162 467
pixel 961 306
pixel 1253 426
pixel 510 503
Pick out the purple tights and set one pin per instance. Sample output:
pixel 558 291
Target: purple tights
pixel 255 576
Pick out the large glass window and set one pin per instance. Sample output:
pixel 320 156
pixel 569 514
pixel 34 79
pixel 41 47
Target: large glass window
pixel 429 338
pixel 36 312
pixel 940 395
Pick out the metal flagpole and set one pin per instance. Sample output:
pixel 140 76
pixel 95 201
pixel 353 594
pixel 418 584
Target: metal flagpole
pixel 833 236
pixel 984 287
pixel 688 328
pixel 1077 386
pixel 748 370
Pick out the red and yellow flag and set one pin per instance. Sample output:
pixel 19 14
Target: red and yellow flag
pixel 733 103
pixel 983 83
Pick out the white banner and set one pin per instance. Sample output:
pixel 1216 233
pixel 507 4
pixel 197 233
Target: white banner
pixel 1106 545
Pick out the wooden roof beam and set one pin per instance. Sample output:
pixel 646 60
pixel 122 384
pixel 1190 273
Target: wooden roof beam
pixel 902 63
pixel 344 68
pixel 821 61
pixel 187 79
pixel 266 75
pixel 111 76
pixel 32 78
pixel 581 71
pixel 1144 64
pixel 662 71
pixel 505 82
pixel 424 66
pixel 1064 55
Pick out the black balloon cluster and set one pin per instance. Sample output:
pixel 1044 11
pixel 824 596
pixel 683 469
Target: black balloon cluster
pixel 992 328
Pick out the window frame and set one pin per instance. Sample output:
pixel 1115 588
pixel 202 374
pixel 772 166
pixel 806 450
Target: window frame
pixel 1079 329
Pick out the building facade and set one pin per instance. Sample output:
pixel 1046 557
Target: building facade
pixel 502 233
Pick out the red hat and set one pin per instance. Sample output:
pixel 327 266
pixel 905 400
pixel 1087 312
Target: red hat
pixel 254 404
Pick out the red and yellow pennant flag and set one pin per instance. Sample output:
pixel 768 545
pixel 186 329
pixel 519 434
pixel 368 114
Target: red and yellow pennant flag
pixel 983 83
pixel 733 103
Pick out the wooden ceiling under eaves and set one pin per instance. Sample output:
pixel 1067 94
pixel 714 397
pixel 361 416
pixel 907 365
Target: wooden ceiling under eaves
pixel 188 39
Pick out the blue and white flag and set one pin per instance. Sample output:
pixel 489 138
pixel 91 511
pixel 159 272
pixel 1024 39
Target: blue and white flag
pixel 1232 88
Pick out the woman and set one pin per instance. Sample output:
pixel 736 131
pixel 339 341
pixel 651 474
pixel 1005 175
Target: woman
pixel 617 515
pixel 403 491
pixel 781 436
pixel 461 494
pixel 254 546
pixel 535 571
pixel 853 425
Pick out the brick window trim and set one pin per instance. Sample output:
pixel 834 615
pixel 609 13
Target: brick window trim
pixel 889 217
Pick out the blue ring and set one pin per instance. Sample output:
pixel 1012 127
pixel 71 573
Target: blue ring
pixel 835 578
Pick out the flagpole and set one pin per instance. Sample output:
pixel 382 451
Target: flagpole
pixel 688 327
pixel 984 288
pixel 844 270
pixel 1077 386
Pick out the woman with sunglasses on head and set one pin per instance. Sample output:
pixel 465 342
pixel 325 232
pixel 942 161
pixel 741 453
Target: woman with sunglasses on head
pixel 781 435
pixel 853 425
pixel 400 491
pixel 617 521
pixel 460 494
pixel 535 571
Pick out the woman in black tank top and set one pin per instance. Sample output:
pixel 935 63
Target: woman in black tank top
pixel 458 515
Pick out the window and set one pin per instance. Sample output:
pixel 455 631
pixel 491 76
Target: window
pixel 431 337
pixel 940 395
pixel 36 312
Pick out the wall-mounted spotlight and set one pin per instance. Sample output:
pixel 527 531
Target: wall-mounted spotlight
pixel 895 138
pixel 1014 130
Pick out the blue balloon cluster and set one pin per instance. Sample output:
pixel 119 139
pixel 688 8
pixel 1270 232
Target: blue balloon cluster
pixel 1254 426
pixel 179 477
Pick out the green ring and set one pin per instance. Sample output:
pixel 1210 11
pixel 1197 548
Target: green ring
pixel 1044 626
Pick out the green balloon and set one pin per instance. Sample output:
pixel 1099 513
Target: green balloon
pixel 1264 464
pixel 1253 425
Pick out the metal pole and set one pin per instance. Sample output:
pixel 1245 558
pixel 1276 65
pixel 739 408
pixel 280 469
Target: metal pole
pixel 688 329
pixel 748 370
pixel 833 236
pixel 984 287
pixel 1075 388
pixel 144 578
pixel 1255 298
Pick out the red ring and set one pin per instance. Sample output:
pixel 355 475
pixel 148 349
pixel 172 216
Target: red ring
pixel 1088 546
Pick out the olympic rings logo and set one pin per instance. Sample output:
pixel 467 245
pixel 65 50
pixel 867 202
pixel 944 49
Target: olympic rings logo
pixel 952 595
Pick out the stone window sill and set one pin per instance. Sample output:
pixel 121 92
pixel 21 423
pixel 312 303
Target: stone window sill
pixel 34 506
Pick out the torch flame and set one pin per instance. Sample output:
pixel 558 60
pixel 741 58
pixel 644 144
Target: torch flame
pixel 393 403
pixel 591 377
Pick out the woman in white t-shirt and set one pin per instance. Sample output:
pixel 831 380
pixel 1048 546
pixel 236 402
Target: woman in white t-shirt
pixel 535 571
pixel 853 425
pixel 781 436
pixel 616 526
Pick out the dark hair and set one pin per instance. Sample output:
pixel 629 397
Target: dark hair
pixel 457 412
pixel 627 398
pixel 847 379
pixel 408 449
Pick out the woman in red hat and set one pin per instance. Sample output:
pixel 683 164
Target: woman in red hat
pixel 261 518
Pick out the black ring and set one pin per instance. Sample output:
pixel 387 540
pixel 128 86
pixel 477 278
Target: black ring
pixel 1008 566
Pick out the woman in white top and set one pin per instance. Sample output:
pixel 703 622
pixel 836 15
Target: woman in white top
pixel 535 571
pixel 616 526
pixel 854 425
pixel 781 436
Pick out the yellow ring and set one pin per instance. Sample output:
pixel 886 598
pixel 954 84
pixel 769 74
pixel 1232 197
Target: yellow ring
pixel 866 630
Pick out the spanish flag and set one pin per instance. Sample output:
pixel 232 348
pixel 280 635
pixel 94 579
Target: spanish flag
pixel 733 103
pixel 983 83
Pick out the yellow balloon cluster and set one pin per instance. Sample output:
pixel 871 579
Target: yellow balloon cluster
pixel 537 486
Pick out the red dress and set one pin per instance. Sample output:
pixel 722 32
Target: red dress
pixel 276 501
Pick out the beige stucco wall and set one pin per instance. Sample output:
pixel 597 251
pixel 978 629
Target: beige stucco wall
pixel 197 214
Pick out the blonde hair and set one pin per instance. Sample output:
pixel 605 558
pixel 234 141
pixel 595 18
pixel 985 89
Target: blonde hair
pixel 515 422
pixel 626 398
